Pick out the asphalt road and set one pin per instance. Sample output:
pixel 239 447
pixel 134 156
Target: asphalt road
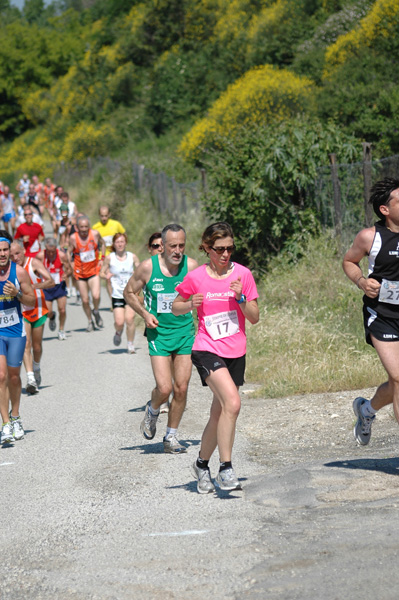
pixel 90 510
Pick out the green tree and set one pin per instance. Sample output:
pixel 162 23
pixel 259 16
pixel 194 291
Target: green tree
pixel 261 182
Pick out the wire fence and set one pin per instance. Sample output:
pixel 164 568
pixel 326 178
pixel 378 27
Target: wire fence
pixel 170 197
pixel 340 191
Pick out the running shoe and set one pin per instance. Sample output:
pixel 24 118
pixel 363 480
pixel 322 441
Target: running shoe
pixel 51 322
pixel 90 326
pixel 38 377
pixel 78 299
pixel 68 292
pixel 171 445
pixel 62 335
pixel 164 408
pixel 203 477
pixel 18 430
pixel 31 386
pixel 117 338
pixel 98 319
pixel 6 433
pixel 148 426
pixel 227 480
pixel 130 348
pixel 362 428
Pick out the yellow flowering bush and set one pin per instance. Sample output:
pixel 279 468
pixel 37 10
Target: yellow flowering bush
pixel 263 94
pixel 381 23
pixel 87 139
pixel 33 152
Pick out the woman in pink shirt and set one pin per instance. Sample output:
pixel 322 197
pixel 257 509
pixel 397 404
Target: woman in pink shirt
pixel 224 294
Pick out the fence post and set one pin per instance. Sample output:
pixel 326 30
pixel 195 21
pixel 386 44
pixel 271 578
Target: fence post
pixel 337 195
pixel 204 181
pixel 368 211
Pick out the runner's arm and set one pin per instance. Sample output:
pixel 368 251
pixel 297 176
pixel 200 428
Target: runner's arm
pixel 135 284
pixel 47 280
pixel 104 273
pixel 182 306
pixel 350 264
pixel 28 297
pixel 66 264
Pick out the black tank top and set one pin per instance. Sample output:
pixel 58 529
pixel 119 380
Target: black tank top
pixel 384 264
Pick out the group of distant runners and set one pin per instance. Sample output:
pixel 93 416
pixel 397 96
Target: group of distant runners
pixel 165 290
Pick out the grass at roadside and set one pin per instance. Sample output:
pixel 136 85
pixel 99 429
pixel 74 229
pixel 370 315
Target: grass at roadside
pixel 310 336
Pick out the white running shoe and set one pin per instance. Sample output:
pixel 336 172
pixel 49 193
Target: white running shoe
pixel 204 481
pixel 227 480
pixel 164 408
pixel 18 430
pixel 117 338
pixel 130 348
pixel 31 386
pixel 6 433
pixel 171 445
pixel 62 335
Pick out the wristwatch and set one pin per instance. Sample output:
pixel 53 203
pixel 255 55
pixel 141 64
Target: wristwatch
pixel 19 295
pixel 242 299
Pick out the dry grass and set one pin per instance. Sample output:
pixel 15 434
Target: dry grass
pixel 310 336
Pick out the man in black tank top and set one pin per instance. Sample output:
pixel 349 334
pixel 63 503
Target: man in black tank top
pixel 381 299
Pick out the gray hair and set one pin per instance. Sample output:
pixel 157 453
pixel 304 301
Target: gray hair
pixel 171 227
pixel 50 241
pixel 82 218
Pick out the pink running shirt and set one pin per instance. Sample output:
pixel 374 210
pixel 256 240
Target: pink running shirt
pixel 221 327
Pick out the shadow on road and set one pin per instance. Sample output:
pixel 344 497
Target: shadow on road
pixel 383 465
pixel 157 448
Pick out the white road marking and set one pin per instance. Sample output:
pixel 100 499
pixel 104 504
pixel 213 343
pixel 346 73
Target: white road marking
pixel 174 533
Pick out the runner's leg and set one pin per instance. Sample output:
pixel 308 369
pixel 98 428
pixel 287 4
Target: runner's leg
pixel 182 366
pixel 84 294
pixel 161 367
pixel 226 392
pixel 61 303
pixel 388 392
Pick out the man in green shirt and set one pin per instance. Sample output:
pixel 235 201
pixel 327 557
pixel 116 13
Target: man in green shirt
pixel 170 338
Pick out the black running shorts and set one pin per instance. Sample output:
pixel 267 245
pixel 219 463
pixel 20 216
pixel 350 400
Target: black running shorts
pixel 207 362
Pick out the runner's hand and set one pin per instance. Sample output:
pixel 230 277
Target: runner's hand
pixel 236 286
pixel 151 321
pixel 197 300
pixel 370 287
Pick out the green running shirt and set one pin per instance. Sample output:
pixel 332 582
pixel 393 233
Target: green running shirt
pixel 158 298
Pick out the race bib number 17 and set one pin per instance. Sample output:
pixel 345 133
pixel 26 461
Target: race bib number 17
pixel 222 324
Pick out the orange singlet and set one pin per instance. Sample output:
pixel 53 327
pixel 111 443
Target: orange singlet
pixel 86 263
pixel 33 314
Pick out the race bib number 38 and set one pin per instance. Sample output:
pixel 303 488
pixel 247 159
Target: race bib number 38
pixel 165 301
pixel 389 292
pixel 222 324
pixel 8 317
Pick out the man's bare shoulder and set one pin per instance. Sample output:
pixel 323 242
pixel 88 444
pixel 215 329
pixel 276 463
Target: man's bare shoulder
pixel 144 270
pixel 365 237
pixel 191 264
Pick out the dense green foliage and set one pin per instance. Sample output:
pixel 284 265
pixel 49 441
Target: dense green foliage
pixel 261 181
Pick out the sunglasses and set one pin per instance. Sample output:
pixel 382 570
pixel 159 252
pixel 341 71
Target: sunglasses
pixel 222 249
pixel 155 246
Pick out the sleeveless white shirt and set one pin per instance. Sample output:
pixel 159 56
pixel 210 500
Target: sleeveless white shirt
pixel 121 270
